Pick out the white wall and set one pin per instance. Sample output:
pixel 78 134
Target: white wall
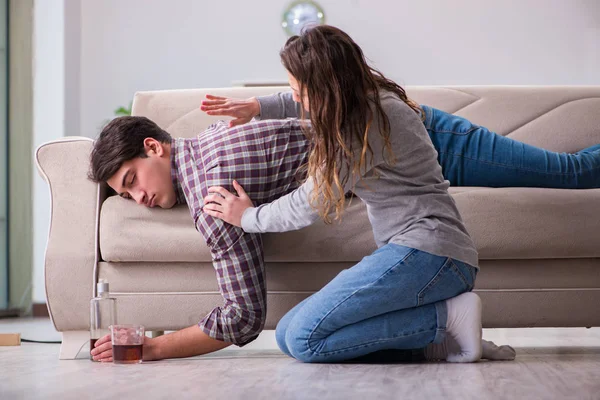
pixel 154 44
pixel 3 158
pixel 72 57
pixel 48 117
pixel 132 45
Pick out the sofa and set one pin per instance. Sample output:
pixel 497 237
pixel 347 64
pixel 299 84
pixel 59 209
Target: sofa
pixel 539 248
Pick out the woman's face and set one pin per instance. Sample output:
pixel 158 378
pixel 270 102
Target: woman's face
pixel 303 99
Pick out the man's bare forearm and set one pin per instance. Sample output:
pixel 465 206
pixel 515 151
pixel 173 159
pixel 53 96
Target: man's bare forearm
pixel 187 342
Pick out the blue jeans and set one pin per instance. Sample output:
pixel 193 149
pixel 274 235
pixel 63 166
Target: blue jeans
pixel 392 299
pixel 471 155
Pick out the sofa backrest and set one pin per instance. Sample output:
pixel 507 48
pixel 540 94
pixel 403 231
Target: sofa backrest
pixel 558 118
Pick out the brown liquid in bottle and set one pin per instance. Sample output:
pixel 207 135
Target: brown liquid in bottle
pixel 127 354
pixel 92 344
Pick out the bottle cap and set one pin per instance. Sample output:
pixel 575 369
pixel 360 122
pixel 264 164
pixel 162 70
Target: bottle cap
pixel 102 286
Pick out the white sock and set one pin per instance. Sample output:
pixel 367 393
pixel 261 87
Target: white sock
pixel 464 326
pixel 490 351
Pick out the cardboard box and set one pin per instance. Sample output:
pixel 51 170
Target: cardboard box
pixel 10 339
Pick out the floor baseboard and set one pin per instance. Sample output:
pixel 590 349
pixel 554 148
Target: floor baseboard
pixel 10 313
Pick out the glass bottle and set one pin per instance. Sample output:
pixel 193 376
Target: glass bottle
pixel 103 313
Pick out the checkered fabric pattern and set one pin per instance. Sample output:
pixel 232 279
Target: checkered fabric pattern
pixel 265 158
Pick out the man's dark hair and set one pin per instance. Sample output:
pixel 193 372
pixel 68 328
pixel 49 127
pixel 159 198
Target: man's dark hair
pixel 120 141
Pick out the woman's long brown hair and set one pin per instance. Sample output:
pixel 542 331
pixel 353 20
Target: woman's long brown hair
pixel 343 92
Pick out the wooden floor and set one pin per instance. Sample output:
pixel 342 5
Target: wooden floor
pixel 565 364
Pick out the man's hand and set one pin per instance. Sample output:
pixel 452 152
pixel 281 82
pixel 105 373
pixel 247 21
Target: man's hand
pixel 103 350
pixel 222 204
pixel 242 110
pixel 187 342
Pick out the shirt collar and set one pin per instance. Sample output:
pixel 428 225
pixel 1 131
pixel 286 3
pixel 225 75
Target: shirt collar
pixel 176 145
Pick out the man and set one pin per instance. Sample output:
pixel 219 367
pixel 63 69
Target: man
pixel 140 161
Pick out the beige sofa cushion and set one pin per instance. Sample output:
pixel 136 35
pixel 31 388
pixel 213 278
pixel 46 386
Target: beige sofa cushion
pixel 506 223
pixel 129 232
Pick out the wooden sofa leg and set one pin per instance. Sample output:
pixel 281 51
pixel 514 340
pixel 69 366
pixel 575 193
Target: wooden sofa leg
pixel 73 342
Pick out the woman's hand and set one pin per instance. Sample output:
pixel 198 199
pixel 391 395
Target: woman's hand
pixel 242 110
pixel 222 204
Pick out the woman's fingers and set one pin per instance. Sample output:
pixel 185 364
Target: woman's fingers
pixel 213 97
pixel 205 107
pixel 212 103
pixel 213 207
pixel 216 110
pixel 213 198
pixel 241 110
pixel 226 194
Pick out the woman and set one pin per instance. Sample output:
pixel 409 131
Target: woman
pixel 368 137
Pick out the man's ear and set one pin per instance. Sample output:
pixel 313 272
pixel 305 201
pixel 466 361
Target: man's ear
pixel 153 146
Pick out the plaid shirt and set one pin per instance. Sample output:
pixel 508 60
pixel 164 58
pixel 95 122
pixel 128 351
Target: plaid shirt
pixel 265 158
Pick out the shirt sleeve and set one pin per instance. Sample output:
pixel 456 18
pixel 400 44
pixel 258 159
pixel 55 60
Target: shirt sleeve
pixel 290 212
pixel 279 106
pixel 239 264
pixel 294 210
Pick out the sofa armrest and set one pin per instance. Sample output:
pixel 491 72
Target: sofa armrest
pixel 71 251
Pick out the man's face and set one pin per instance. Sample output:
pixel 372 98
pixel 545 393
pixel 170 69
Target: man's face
pixel 298 98
pixel 147 180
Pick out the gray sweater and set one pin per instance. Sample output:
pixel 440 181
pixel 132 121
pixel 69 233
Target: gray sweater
pixel 407 204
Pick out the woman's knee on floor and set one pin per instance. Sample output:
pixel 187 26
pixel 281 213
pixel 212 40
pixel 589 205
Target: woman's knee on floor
pixel 300 344
pixel 280 332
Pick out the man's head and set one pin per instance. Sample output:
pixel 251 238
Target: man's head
pixel 133 155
